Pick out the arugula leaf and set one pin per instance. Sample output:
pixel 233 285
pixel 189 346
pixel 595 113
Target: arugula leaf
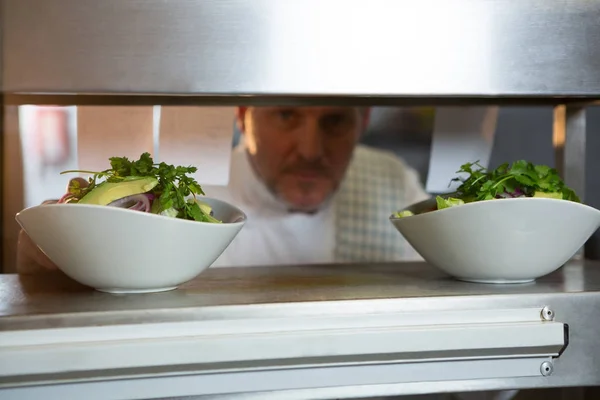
pixel 522 178
pixel 174 184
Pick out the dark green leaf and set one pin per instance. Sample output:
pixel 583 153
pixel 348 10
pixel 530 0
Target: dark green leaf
pixel 480 184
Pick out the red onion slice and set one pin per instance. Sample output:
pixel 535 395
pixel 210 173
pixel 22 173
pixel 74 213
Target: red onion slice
pixel 137 202
pixel 66 197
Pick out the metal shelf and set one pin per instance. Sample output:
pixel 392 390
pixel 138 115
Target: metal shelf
pixel 305 332
pixel 303 51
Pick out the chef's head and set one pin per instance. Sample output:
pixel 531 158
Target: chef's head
pixel 301 153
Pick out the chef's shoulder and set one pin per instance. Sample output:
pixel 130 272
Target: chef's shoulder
pixel 384 167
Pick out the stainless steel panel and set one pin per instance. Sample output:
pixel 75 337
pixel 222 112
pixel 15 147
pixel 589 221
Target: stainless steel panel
pixel 574 151
pixel 429 48
pixel 258 294
pixel 2 147
pixel 117 99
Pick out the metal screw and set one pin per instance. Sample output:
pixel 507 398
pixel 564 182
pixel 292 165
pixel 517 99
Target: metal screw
pixel 547 368
pixel 547 314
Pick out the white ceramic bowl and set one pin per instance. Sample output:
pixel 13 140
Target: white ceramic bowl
pixel 499 241
pixel 122 251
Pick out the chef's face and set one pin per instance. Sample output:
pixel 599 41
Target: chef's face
pixel 301 153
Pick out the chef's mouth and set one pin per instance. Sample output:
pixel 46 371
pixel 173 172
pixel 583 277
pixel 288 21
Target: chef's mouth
pixel 308 174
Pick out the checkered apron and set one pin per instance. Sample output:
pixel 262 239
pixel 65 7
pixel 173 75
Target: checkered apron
pixel 377 184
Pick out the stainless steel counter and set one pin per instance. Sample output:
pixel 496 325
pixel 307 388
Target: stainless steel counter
pixel 300 287
pixel 300 332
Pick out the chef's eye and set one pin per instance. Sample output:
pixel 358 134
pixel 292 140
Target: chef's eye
pixel 333 122
pixel 286 115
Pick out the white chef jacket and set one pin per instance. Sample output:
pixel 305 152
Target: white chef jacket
pixel 352 227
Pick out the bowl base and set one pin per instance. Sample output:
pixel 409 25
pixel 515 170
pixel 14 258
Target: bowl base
pixel 496 281
pixel 136 291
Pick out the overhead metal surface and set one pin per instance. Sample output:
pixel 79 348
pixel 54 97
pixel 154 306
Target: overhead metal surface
pixel 429 48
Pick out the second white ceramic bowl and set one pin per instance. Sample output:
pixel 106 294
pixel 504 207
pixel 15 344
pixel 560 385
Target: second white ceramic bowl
pixel 122 251
pixel 499 241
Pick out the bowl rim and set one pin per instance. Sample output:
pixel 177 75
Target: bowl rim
pixel 241 221
pixel 479 203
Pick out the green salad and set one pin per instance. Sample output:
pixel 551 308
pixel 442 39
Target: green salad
pixel 145 186
pixel 508 181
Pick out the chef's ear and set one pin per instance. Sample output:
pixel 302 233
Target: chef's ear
pixel 240 116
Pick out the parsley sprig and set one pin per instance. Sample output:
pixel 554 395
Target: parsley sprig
pixel 522 178
pixel 174 184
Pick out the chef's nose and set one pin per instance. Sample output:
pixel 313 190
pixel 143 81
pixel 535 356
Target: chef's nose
pixel 310 142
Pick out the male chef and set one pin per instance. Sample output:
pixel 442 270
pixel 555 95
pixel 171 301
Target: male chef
pixel 311 192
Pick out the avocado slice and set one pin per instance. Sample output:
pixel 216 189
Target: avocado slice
pixel 206 209
pixel 107 192
pixel 555 195
pixel 447 203
pixel 404 214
